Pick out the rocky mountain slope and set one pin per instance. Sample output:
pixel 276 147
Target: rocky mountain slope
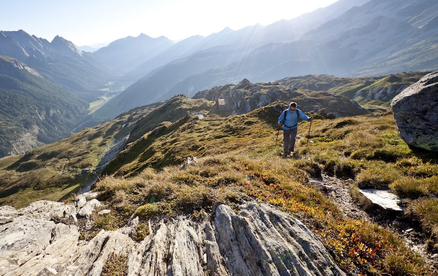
pixel 60 60
pixel 365 90
pixel 34 109
pixel 149 191
pixel 391 34
pixel 371 39
pixel 46 89
pixel 246 96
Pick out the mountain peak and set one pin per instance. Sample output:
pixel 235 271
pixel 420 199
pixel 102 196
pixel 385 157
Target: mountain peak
pixel 144 36
pixel 65 47
pixel 243 83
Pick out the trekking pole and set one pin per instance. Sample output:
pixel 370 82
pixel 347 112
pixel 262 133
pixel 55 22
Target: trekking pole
pixel 308 135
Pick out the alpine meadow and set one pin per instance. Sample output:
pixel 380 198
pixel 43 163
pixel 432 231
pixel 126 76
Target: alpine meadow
pixel 154 157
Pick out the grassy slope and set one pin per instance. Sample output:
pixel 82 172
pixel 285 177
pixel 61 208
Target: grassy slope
pixel 238 159
pixel 56 170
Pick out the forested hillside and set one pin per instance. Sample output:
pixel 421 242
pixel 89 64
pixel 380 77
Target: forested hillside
pixel 34 109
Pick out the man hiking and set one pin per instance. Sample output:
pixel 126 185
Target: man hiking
pixel 289 120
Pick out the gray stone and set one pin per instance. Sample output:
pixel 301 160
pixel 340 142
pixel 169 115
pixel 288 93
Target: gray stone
pixel 89 207
pixel 382 198
pixel 81 200
pixel 30 245
pixel 416 113
pixel 262 240
pixel 49 210
pixel 104 212
pixel 7 214
pixel 259 240
pixel 91 195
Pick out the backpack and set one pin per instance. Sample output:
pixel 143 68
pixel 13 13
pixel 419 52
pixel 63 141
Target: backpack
pixel 284 119
pixel 285 113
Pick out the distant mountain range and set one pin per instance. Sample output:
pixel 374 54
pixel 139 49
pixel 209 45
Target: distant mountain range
pixel 45 89
pixel 128 53
pixel 60 60
pixel 348 38
pixel 355 38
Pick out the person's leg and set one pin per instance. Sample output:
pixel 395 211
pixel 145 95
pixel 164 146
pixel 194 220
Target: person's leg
pixel 293 135
pixel 286 141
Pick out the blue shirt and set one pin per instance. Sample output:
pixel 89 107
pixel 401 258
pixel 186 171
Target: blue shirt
pixel 291 121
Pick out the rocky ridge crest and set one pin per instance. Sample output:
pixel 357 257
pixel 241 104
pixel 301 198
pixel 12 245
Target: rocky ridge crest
pixel 246 96
pixel 44 239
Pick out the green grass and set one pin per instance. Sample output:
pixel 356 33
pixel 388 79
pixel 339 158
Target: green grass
pixel 55 171
pixel 238 160
pixel 95 105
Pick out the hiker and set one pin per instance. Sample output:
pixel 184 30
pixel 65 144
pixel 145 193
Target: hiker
pixel 289 120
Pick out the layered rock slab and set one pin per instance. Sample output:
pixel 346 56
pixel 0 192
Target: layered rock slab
pixel 258 240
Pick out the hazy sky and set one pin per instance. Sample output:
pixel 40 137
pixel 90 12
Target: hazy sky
pixel 89 22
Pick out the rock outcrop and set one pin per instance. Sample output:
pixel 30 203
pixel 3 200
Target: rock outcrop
pixel 246 96
pixel 384 94
pixel 259 240
pixel 416 113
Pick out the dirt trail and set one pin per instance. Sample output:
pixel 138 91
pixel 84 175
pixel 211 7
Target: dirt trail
pixel 340 192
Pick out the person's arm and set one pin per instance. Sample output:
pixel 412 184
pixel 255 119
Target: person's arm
pixel 304 116
pixel 280 119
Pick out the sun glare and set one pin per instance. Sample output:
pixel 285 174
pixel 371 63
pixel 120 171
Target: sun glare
pixel 89 22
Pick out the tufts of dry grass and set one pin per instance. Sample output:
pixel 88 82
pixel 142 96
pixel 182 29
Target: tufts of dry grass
pixel 425 210
pixel 377 175
pixel 238 160
pixel 116 265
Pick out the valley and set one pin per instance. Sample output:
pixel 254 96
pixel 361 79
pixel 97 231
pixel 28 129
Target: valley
pixel 150 156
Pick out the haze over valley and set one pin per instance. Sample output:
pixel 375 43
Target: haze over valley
pixel 345 39
pixel 153 148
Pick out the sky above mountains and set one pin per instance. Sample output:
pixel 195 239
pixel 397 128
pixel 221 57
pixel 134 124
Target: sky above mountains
pixel 93 22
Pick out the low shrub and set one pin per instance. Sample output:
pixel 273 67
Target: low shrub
pixel 311 167
pixel 148 211
pixel 432 185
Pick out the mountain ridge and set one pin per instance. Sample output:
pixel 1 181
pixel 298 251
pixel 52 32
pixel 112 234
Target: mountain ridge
pixel 361 41
pixel 60 59
pixel 34 110
pixel 125 54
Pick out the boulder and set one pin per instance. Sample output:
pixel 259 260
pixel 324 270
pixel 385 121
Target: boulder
pixel 416 113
